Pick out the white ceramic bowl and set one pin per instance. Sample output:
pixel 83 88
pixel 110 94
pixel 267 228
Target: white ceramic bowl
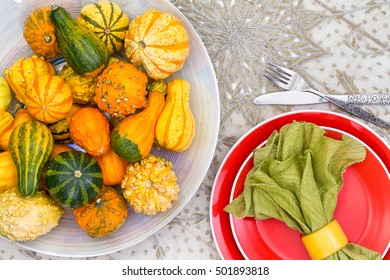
pixel 191 166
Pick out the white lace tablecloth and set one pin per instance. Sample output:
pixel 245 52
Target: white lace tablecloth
pixel 339 46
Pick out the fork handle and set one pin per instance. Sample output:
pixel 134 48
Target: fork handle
pixel 375 98
pixel 354 110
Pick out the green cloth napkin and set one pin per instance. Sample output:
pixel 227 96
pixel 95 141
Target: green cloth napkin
pixel 296 179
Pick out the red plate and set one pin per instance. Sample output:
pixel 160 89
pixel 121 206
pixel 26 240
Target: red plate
pixel 362 207
pixel 220 196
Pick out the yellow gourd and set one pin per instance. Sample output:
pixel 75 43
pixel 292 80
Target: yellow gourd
pixel 158 42
pixel 83 88
pixel 5 94
pixel 6 120
pixel 21 116
pixel 150 185
pixel 24 219
pixel 175 128
pixel 25 70
pixel 107 21
pixel 8 177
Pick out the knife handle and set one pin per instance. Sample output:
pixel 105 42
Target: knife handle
pixel 369 98
pixel 357 111
pixel 354 110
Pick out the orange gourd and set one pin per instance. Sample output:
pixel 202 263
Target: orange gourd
pixel 59 148
pixel 121 89
pixel 25 70
pixel 48 98
pixel 158 42
pixel 90 129
pixel 39 33
pixel 113 167
pixel 104 215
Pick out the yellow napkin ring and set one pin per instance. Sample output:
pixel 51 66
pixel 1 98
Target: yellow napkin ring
pixel 325 241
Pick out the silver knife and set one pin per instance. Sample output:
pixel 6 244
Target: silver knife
pixel 305 97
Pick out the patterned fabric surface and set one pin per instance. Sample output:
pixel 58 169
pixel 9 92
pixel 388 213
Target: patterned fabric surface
pixel 339 46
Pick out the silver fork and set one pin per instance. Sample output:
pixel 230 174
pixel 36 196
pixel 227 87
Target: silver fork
pixel 290 80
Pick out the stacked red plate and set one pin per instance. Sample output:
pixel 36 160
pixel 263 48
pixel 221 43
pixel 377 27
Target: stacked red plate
pixel 363 208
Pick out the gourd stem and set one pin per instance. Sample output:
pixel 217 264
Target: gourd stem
pixel 99 203
pixel 54 7
pixel 47 38
pixel 142 44
pixel 78 173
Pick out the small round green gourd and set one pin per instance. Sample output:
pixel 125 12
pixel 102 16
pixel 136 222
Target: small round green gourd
pixel 73 178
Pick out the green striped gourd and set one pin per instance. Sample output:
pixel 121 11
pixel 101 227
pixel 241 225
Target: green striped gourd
pixel 73 178
pixel 30 145
pixel 84 52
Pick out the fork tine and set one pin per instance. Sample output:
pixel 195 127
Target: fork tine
pixel 277 73
pixel 284 69
pixel 275 80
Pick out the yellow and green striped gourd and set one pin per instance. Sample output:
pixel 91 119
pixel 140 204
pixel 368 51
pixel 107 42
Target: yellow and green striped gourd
pixel 30 145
